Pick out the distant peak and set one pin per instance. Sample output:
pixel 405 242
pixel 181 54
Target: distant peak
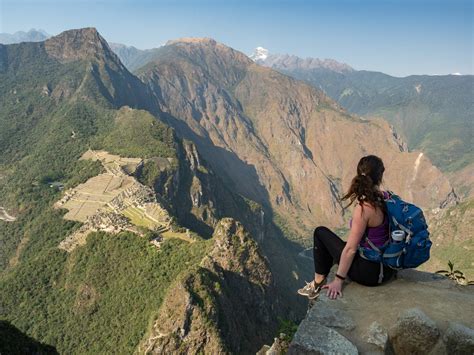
pixel 260 54
pixel 202 40
pixel 78 44
pixel 79 32
pixel 33 35
pixel 210 48
pixel 43 32
pixel 285 61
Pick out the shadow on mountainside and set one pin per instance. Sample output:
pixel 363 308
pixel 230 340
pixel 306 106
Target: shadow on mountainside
pixel 253 189
pixel 13 341
pixel 288 269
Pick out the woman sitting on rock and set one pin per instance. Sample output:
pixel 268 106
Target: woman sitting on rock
pixel 369 219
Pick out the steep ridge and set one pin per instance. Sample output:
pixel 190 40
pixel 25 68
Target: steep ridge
pixel 431 113
pixel 112 78
pixel 232 290
pixel 280 141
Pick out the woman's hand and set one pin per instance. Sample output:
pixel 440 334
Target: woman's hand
pixel 334 289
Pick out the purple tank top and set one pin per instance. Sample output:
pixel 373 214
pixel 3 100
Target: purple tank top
pixel 377 235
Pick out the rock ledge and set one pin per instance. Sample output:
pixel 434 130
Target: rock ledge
pixel 418 313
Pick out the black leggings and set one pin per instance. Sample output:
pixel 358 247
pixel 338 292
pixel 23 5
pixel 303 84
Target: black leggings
pixel 327 252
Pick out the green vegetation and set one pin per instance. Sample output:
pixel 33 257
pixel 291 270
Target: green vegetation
pixel 456 275
pixel 287 327
pixel 287 231
pixel 149 173
pixel 460 253
pixel 138 217
pixel 137 133
pixel 101 297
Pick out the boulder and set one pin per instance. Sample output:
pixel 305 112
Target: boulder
pixel 459 339
pixel 414 333
pixel 319 339
pixel 408 315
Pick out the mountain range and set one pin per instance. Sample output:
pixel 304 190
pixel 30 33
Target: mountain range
pixel 32 35
pixel 432 113
pixel 429 112
pixel 245 161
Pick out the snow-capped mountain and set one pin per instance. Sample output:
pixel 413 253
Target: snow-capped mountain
pixel 290 62
pixel 259 55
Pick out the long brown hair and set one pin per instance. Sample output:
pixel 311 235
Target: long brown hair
pixel 364 186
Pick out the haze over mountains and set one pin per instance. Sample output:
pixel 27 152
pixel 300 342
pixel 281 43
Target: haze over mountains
pixel 133 58
pixel 431 112
pixel 255 159
pixel 32 35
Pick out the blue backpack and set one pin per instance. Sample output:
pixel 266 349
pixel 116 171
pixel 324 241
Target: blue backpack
pixel 411 252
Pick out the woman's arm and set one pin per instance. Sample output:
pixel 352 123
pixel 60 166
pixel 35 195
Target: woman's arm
pixel 359 223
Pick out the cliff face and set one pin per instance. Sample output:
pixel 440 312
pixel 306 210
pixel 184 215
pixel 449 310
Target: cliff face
pixel 419 313
pixel 227 305
pixel 281 142
pixel 198 198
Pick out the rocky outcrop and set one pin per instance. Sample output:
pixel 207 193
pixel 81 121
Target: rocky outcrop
pixel 85 43
pixel 227 305
pixel 199 198
pixel 418 313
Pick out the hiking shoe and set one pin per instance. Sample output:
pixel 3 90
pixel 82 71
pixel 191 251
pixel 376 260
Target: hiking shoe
pixel 312 289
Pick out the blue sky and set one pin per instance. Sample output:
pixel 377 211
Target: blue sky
pixel 396 37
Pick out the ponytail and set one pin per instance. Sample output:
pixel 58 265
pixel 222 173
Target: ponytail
pixel 364 186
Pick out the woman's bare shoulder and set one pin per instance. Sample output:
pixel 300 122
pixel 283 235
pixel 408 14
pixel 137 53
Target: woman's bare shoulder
pixel 365 205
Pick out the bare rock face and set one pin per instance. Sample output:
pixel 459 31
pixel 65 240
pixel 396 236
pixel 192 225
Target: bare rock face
pixel 227 305
pixel 199 198
pixel 418 313
pixel 281 142
pixel 85 43
pixel 317 334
